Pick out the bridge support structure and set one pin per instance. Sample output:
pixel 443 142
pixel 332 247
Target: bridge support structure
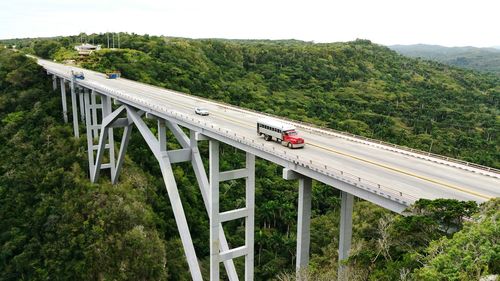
pixel 63 100
pixel 221 254
pixel 81 94
pixel 304 222
pixel 220 250
pixel 346 208
pixel 99 131
pixel 303 218
pixel 74 109
pixel 54 82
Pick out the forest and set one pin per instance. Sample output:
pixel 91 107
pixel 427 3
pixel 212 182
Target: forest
pixel 55 225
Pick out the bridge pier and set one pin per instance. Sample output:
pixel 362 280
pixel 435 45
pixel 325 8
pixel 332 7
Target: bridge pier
pixel 346 208
pixel 204 185
pixel 303 219
pixel 54 82
pixel 74 109
pixel 217 254
pixel 106 137
pixel 63 99
pixel 81 93
pixel 304 222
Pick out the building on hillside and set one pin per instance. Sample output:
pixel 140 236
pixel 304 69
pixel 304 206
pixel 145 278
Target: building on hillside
pixel 87 49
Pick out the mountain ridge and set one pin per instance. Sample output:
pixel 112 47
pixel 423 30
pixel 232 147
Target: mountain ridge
pixel 480 59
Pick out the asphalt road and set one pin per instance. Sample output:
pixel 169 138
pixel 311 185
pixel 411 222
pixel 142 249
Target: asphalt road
pixel 418 178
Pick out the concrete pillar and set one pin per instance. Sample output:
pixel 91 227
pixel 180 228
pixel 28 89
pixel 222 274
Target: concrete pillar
pixel 64 102
pixel 304 223
pixel 54 82
pixel 90 140
pixel 250 218
pixel 75 110
pixel 347 201
pixel 214 209
pixel 107 110
pixel 93 110
pixel 81 92
pixel 303 217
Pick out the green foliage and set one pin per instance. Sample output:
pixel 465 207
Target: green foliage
pixel 448 213
pixel 46 48
pixel 65 54
pixel 55 225
pixel 69 229
pixel 468 255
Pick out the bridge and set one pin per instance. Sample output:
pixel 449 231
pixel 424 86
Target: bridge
pixel 385 174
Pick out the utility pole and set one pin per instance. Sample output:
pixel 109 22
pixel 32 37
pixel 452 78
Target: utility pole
pixel 107 34
pixel 118 40
pixel 113 40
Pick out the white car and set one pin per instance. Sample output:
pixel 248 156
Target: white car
pixel 201 111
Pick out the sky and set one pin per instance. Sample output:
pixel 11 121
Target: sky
pixel 388 22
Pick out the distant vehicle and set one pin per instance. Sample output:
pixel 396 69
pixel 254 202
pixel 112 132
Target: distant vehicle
pixel 281 132
pixel 113 75
pixel 77 75
pixel 201 111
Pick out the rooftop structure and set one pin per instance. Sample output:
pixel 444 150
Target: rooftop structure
pixel 87 49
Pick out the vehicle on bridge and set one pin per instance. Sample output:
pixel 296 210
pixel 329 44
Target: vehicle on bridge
pixel 201 111
pixel 281 132
pixel 113 74
pixel 77 75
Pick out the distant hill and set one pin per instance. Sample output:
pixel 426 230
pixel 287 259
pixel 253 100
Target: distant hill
pixel 482 59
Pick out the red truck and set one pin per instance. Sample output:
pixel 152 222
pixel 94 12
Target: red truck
pixel 281 132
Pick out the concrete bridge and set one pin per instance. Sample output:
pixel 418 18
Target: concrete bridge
pixel 385 174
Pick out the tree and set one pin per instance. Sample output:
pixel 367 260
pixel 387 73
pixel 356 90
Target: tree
pixel 46 48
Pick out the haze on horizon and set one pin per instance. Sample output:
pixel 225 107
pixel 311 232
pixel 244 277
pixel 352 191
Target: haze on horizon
pixel 387 22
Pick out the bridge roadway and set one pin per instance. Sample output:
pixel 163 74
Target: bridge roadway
pixel 383 170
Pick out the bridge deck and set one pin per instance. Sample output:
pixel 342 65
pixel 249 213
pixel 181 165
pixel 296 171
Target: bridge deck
pixel 373 165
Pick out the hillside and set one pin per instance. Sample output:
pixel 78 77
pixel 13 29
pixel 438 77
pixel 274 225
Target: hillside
pixel 54 224
pixel 481 59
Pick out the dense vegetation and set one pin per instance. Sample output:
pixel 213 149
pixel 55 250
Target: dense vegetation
pixel 55 225
pixel 480 59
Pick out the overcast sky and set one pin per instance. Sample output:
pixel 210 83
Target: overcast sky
pixel 442 22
